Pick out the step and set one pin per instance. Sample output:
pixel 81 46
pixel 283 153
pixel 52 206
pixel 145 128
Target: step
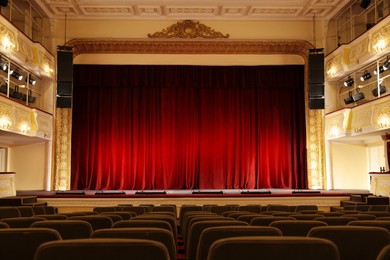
pixel 351 203
pixel 377 200
pixel 18 200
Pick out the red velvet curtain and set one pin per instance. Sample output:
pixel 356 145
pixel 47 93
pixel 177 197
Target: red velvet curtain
pixel 188 127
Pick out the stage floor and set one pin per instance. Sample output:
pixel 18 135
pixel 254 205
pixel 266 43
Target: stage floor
pixel 68 201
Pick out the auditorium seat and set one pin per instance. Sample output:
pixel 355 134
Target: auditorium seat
pixel 133 223
pixel 69 229
pixel 220 209
pixel 39 210
pixel 22 243
pixel 300 208
pixel 332 214
pixel 336 221
pixel 361 216
pixel 3 225
pixel 52 216
pixel 212 234
pixel 188 215
pixel 183 210
pixel 306 216
pixel 247 218
pixel 266 221
pixel 250 208
pixel 21 222
pixel 166 208
pixel 124 215
pixel 354 242
pixel 277 207
pixel 196 229
pixel 96 221
pixel 157 234
pixel 268 247
pixel 102 249
pixel 139 210
pixel 296 227
pixel 283 214
pixel 378 208
pixel 371 223
pixel 25 211
pixel 384 254
pixel 194 219
pixel 114 217
pixel 236 214
pixel 104 209
pixel 169 219
pixel 379 213
pixel 9 212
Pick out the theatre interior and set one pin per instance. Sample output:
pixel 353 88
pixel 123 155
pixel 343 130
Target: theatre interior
pixel 199 130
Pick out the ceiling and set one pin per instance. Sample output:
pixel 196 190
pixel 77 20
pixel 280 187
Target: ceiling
pixel 192 9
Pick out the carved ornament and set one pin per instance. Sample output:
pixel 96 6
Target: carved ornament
pixel 188 29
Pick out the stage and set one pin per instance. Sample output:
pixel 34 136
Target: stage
pixel 79 200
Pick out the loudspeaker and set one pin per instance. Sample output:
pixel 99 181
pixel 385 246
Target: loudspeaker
pixel 65 66
pixel 64 76
pixel 64 102
pixel 365 3
pixel 316 68
pixel 4 3
pixel 317 103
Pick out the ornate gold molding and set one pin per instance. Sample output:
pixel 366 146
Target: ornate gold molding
pixel 125 46
pixel 188 29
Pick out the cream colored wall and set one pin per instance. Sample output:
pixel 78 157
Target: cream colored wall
pixel 28 161
pixel 349 166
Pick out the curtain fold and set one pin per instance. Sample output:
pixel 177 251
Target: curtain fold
pixel 188 127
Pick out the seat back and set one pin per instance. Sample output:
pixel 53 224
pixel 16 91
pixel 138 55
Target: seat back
pixel 133 223
pixel 354 242
pixel 220 209
pixel 9 212
pixel 139 210
pixel 25 211
pixel 69 229
pixel 306 216
pixel 102 249
pixel 266 221
pixel 96 221
pixel 123 214
pixel 250 208
pixel 52 216
pixel 196 230
pixel 187 208
pixel 296 227
pixel 384 254
pixel 104 209
pixel 169 219
pixel 248 217
pixel 371 223
pixel 212 234
pixel 21 243
pixel 157 234
pixel 21 222
pixel 192 220
pixel 292 248
pixel 365 216
pixel 336 221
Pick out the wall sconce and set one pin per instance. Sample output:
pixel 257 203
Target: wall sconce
pixel 5 123
pixel 381 70
pixel 24 128
pixel 366 75
pixel 380 45
pixel 3 65
pixel 382 90
pixel 7 43
pixel 383 121
pixel 349 82
pixel 358 96
pixel 15 74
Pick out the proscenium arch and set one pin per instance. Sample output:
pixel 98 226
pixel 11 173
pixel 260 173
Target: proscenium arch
pixel 296 52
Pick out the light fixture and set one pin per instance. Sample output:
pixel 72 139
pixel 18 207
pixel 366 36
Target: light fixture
pixel 382 90
pixel 348 100
pixel 349 82
pixel 386 64
pixel 15 73
pixel 366 75
pixel 31 80
pixel 381 69
pixel 358 96
pixel 3 65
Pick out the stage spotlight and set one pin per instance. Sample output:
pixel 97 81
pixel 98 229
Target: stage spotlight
pixel 349 82
pixel 15 74
pixel 366 75
pixel 31 80
pixel 358 96
pixel 348 100
pixel 3 65
pixel 386 64
pixel 382 90
pixel 381 70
